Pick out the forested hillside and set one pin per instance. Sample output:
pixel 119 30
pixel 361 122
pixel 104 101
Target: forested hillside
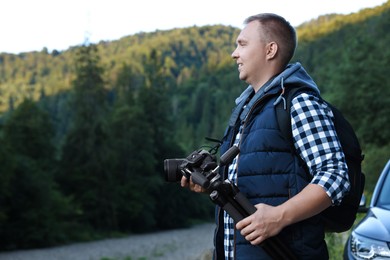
pixel 85 131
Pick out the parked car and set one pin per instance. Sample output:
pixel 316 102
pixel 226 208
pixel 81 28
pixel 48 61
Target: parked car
pixel 370 239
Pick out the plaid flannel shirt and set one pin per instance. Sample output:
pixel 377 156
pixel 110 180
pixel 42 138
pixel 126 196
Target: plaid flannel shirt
pixel 316 141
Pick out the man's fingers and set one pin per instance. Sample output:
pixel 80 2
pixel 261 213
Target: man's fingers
pixel 184 182
pixel 243 223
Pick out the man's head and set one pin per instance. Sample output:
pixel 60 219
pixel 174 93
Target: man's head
pixel 264 47
pixel 275 28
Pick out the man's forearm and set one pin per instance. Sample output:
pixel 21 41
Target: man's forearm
pixel 309 202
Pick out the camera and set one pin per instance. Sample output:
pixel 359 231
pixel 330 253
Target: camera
pixel 198 164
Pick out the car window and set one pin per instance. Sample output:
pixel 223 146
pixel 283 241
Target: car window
pixel 384 196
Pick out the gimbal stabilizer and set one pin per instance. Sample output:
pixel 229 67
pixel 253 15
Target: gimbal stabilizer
pixel 227 195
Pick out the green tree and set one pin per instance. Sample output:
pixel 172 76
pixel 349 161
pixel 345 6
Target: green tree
pixel 134 168
pixel 35 211
pixel 6 174
pixel 154 100
pixel 365 99
pixel 133 162
pixel 84 171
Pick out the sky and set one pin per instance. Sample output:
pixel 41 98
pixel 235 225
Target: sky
pixel 31 25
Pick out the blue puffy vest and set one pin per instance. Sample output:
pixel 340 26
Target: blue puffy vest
pixel 268 173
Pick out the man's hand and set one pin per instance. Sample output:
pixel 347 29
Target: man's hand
pixel 268 221
pixel 264 223
pixel 188 183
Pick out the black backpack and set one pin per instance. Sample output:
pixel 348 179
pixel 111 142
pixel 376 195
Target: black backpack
pixel 338 218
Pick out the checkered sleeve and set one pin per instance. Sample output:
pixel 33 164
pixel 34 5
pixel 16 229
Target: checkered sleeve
pixel 317 143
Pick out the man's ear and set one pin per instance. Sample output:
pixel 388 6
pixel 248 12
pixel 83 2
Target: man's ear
pixel 272 49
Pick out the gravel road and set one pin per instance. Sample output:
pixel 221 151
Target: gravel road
pixel 183 244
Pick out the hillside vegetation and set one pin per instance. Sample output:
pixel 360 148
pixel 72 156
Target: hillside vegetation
pixel 85 131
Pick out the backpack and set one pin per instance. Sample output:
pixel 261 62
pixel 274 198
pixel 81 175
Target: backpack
pixel 338 218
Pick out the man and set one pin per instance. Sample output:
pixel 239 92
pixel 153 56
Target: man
pixel 272 177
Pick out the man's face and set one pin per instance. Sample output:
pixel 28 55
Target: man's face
pixel 250 54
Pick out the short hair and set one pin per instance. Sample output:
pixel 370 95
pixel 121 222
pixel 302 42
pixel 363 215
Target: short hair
pixel 275 28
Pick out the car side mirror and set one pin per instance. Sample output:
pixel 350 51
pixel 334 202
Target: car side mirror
pixel 362 205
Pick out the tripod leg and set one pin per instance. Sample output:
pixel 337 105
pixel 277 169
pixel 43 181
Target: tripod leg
pixel 273 246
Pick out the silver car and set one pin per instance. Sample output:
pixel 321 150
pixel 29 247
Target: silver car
pixel 370 239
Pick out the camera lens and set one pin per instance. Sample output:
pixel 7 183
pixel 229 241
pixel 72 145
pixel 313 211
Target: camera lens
pixel 171 170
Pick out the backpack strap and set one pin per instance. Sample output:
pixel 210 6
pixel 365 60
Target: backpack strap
pixel 283 111
pixel 283 116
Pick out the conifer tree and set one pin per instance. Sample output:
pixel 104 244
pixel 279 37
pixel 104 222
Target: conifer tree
pixel 133 162
pixel 84 164
pixel 179 207
pixel 34 212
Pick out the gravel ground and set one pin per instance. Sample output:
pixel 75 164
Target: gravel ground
pixel 183 244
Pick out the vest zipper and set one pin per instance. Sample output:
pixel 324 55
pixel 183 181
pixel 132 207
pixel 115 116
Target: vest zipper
pixel 243 123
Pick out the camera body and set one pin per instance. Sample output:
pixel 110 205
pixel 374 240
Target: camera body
pixel 203 169
pixel 199 164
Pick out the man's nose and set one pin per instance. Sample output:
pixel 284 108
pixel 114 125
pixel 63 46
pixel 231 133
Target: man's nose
pixel 234 54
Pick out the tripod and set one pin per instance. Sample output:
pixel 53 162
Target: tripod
pixel 227 195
